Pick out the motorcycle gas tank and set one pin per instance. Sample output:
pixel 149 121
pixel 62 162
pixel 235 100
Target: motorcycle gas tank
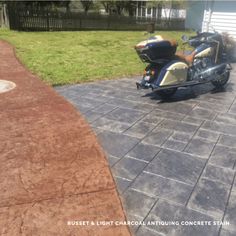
pixel 203 51
pixel 173 73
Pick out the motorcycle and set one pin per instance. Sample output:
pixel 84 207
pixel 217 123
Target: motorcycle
pixel 167 70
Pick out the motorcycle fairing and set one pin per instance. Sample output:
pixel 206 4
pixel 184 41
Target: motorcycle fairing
pixel 174 72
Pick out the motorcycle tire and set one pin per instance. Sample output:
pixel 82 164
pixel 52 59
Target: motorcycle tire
pixel 222 81
pixel 166 93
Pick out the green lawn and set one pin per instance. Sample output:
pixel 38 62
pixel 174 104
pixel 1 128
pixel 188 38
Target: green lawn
pixel 75 57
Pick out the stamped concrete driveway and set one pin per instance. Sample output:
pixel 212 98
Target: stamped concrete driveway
pixel 172 161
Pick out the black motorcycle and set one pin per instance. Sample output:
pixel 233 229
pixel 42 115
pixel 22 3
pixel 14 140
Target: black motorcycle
pixel 168 70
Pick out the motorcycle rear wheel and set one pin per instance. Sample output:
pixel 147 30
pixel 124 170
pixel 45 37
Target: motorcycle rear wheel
pixel 166 93
pixel 222 81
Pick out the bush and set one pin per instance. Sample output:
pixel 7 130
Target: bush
pixel 230 45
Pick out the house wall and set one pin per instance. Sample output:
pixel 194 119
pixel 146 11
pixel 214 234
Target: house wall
pixel 212 15
pixel 194 15
pixel 221 18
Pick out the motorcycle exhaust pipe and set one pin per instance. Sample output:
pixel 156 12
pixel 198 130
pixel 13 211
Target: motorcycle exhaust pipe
pixel 212 71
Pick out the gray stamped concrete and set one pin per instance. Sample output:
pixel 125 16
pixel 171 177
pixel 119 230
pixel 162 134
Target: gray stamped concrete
pixel 173 161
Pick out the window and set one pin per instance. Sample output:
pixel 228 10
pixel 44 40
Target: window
pixel 154 12
pixel 159 11
pixel 139 11
pixel 143 11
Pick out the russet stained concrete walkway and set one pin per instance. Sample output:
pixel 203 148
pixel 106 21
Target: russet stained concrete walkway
pixel 52 168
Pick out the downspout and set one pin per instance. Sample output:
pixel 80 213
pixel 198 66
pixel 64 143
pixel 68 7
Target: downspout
pixel 137 10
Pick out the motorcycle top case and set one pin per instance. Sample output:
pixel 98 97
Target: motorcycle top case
pixel 156 48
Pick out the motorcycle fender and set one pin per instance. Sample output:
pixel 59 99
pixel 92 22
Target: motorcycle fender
pixel 173 73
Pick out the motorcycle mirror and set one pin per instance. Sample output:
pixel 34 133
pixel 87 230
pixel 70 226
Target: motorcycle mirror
pixel 211 26
pixel 198 32
pixel 184 38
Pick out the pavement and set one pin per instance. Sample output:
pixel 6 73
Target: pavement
pixel 173 161
pixel 53 174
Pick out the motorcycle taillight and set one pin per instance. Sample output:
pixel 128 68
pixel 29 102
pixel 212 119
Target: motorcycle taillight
pixel 149 72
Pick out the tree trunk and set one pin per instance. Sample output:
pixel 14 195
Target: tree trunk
pixel 5 17
pixel 1 16
pixel 68 7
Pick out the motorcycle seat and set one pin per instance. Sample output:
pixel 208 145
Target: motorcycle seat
pixel 186 58
pixel 173 42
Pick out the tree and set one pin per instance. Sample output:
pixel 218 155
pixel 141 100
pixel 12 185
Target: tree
pixel 108 6
pixel 119 7
pixel 131 7
pixel 168 7
pixel 40 4
pixel 86 4
pixel 5 18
